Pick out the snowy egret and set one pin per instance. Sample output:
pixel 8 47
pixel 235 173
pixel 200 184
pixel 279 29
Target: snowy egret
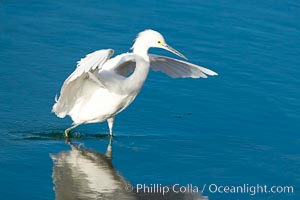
pixel 101 87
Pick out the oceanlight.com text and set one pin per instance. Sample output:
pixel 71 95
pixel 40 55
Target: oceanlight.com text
pixel 250 189
pixel 211 189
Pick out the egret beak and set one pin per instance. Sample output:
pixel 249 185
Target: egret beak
pixel 171 49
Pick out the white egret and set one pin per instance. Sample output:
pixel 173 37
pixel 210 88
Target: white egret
pixel 101 87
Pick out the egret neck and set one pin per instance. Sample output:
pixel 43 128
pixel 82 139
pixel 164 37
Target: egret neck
pixel 136 80
pixel 140 48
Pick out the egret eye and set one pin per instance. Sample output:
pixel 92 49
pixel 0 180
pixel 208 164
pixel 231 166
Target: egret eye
pixel 159 42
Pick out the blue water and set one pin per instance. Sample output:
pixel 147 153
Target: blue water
pixel 241 127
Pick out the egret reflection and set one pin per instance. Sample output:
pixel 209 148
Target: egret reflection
pixel 85 174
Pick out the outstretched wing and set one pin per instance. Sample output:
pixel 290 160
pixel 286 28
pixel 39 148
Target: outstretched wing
pixel 90 62
pixel 178 68
pixel 81 77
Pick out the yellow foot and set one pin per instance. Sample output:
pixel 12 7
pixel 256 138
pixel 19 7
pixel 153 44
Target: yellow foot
pixel 67 131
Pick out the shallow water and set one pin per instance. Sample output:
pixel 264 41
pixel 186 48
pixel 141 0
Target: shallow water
pixel 238 128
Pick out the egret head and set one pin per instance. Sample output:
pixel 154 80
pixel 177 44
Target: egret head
pixel 150 38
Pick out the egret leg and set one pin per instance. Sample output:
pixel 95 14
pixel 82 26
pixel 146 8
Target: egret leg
pixel 110 122
pixel 67 131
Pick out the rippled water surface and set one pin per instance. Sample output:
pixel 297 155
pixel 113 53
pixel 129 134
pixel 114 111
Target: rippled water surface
pixel 240 128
